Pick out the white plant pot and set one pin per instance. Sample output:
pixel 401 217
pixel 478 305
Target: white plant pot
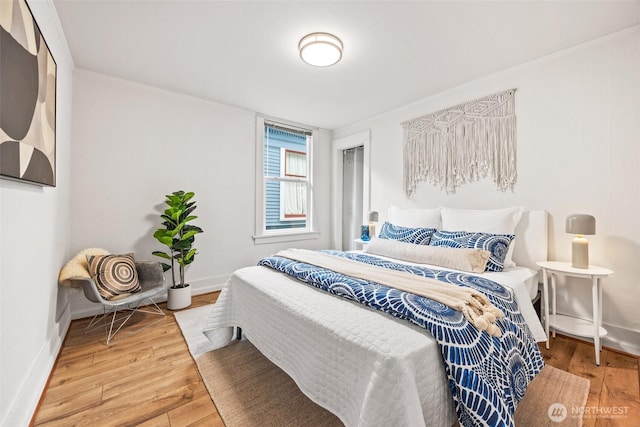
pixel 178 298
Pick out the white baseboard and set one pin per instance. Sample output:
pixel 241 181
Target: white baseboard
pixel 211 284
pixel 23 405
pixel 622 339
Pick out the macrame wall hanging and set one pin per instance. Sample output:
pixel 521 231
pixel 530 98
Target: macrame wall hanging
pixel 462 144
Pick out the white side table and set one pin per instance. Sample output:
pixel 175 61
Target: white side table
pixel 573 325
pixel 363 244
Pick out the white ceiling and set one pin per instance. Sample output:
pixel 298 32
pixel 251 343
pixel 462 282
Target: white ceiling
pixel 244 53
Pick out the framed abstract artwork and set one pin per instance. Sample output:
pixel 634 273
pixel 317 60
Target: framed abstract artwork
pixel 27 98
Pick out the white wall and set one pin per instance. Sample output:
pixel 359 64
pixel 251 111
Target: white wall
pixel 132 144
pixel 34 236
pixel 578 115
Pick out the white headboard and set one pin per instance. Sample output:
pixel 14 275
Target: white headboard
pixel 530 245
pixel 531 239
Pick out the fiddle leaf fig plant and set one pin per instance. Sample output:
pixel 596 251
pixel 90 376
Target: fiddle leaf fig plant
pixel 177 235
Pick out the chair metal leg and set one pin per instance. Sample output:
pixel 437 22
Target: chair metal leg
pixel 111 332
pixel 93 323
pixel 109 324
pixel 157 310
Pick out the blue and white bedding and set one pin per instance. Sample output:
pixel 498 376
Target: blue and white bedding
pixel 487 375
pixel 367 367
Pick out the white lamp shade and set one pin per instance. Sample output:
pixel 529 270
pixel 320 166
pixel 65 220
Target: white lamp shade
pixel 580 224
pixel 320 49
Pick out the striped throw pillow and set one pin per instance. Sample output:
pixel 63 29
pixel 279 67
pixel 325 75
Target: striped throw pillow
pixel 114 275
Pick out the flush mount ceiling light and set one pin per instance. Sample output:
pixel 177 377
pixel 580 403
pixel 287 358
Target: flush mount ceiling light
pixel 320 49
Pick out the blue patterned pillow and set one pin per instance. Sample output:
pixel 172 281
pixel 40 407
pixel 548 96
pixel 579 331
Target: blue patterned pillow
pixel 496 244
pixel 418 236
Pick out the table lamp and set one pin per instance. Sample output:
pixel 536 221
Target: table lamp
pixel 373 218
pixel 581 225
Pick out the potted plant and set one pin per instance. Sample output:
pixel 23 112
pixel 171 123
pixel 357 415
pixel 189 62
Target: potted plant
pixel 179 236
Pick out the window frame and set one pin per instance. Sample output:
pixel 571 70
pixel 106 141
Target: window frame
pixel 284 152
pixel 262 235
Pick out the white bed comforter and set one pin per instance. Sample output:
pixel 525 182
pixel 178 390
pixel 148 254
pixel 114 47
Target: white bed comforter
pixel 363 365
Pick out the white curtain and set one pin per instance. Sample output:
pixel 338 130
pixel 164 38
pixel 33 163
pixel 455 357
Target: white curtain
pixel 352 186
pixel 295 163
pixel 295 193
pixel 295 199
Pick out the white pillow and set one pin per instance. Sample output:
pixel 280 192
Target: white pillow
pixel 414 218
pixel 495 221
pixel 462 259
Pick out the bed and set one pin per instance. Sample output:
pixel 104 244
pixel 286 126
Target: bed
pixel 366 367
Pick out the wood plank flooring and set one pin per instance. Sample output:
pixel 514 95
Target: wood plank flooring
pixel 146 377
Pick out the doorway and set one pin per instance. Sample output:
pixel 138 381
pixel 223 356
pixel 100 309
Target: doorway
pixel 352 188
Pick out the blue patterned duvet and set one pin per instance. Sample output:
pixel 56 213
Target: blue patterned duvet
pixel 487 375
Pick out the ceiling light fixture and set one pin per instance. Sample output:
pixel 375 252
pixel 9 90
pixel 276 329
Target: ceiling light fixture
pixel 320 49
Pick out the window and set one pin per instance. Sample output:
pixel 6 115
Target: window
pixel 284 183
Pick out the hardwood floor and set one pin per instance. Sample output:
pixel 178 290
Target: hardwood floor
pixel 146 377
pixel 614 396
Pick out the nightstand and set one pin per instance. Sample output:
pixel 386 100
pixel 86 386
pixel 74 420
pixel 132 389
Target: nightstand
pixel 573 325
pixel 363 244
